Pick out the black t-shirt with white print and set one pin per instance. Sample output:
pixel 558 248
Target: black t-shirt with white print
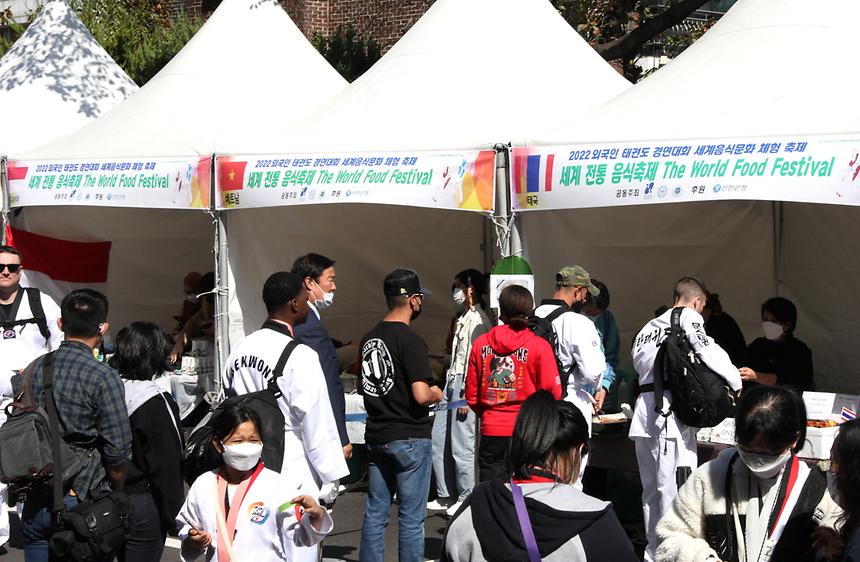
pixel 392 358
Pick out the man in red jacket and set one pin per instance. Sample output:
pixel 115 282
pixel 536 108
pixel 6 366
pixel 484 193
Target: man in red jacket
pixel 506 366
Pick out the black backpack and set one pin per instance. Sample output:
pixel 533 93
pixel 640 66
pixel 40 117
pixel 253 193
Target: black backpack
pixel 700 397
pixel 542 327
pixel 200 455
pixel 34 298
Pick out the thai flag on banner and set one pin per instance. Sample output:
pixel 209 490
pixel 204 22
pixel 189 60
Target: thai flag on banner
pixel 57 266
pixel 848 414
pixel 532 172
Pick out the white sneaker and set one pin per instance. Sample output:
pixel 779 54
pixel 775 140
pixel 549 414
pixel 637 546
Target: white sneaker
pixel 437 505
pixel 453 509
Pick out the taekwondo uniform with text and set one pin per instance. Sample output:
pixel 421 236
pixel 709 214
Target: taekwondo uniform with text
pixel 665 447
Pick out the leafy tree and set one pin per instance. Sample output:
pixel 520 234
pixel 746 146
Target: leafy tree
pixel 13 29
pixel 140 35
pixel 619 29
pixel 348 52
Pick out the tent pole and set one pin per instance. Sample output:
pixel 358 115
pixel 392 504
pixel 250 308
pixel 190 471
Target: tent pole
pixel 222 294
pixel 778 232
pixel 504 220
pixel 4 193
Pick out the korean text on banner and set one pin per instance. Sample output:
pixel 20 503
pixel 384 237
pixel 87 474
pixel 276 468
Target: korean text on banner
pixel 445 180
pixel 819 169
pixel 154 183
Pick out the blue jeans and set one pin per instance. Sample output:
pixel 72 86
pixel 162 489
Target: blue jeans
pixel 37 526
pixel 402 466
pixel 453 445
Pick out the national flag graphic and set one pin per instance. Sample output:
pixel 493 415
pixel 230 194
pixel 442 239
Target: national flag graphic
pixel 231 175
pixel 848 414
pixel 58 266
pixel 15 173
pixel 533 172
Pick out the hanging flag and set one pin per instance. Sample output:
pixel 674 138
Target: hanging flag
pixel 231 175
pixel 532 172
pixel 58 266
pixel 9 238
pixel 848 414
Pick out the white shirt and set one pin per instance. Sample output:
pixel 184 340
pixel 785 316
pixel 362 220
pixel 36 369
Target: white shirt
pixel 470 325
pixel 579 345
pixel 27 342
pixel 646 422
pixel 267 526
pixel 312 449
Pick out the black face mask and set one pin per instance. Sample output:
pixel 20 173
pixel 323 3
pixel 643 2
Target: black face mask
pixel 416 313
pixel 578 306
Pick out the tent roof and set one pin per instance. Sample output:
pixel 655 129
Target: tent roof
pixel 55 78
pixel 245 75
pixel 768 67
pixel 469 73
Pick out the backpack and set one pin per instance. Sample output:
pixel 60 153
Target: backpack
pixel 34 297
pixel 542 327
pixel 700 397
pixel 200 454
pixel 26 441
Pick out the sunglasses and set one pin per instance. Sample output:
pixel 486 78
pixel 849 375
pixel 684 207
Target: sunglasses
pixel 12 267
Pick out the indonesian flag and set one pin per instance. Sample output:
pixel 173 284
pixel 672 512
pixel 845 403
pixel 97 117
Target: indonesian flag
pixel 57 266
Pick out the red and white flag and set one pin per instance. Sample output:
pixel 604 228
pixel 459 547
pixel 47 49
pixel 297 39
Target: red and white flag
pixel 57 266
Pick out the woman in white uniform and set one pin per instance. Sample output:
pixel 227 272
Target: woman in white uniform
pixel 242 510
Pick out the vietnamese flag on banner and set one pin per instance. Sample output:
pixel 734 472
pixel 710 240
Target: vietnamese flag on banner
pixel 15 173
pixel 231 175
pixel 57 266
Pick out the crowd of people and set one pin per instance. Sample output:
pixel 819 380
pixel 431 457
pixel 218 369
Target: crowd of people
pixel 505 437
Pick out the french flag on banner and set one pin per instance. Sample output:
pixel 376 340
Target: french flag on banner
pixel 57 266
pixel 533 172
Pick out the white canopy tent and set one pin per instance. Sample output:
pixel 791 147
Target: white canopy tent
pixel 469 74
pixel 54 79
pixel 767 85
pixel 234 83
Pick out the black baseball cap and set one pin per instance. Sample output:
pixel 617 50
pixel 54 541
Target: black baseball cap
pixel 402 282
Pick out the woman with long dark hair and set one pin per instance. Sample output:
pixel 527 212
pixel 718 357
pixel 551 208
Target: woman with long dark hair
pixel 154 481
pixel 549 440
pixel 454 428
pixel 506 366
pixel 757 501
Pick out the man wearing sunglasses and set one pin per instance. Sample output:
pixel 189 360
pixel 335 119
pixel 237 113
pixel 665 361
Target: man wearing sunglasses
pixel 28 319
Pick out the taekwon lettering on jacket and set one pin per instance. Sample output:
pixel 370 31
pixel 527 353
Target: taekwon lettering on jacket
pixel 252 362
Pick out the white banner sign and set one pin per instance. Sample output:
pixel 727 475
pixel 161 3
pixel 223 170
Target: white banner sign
pixel 821 169
pixel 445 180
pixel 153 183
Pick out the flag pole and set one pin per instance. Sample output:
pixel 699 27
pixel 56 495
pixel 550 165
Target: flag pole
pixel 4 192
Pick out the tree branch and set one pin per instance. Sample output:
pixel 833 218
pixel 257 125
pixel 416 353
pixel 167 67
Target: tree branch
pixel 631 42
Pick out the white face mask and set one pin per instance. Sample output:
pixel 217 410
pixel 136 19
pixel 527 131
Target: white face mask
pixel 459 297
pixel 772 330
pixel 764 466
pixel 242 456
pixel 326 301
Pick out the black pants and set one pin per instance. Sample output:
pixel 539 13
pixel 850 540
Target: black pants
pixel 491 457
pixel 146 540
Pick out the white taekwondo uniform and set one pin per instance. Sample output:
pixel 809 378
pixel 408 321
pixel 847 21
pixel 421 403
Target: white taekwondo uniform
pixel 267 529
pixel 313 454
pixel 579 349
pixel 663 443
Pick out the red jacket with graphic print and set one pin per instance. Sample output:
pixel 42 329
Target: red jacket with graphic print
pixel 505 367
